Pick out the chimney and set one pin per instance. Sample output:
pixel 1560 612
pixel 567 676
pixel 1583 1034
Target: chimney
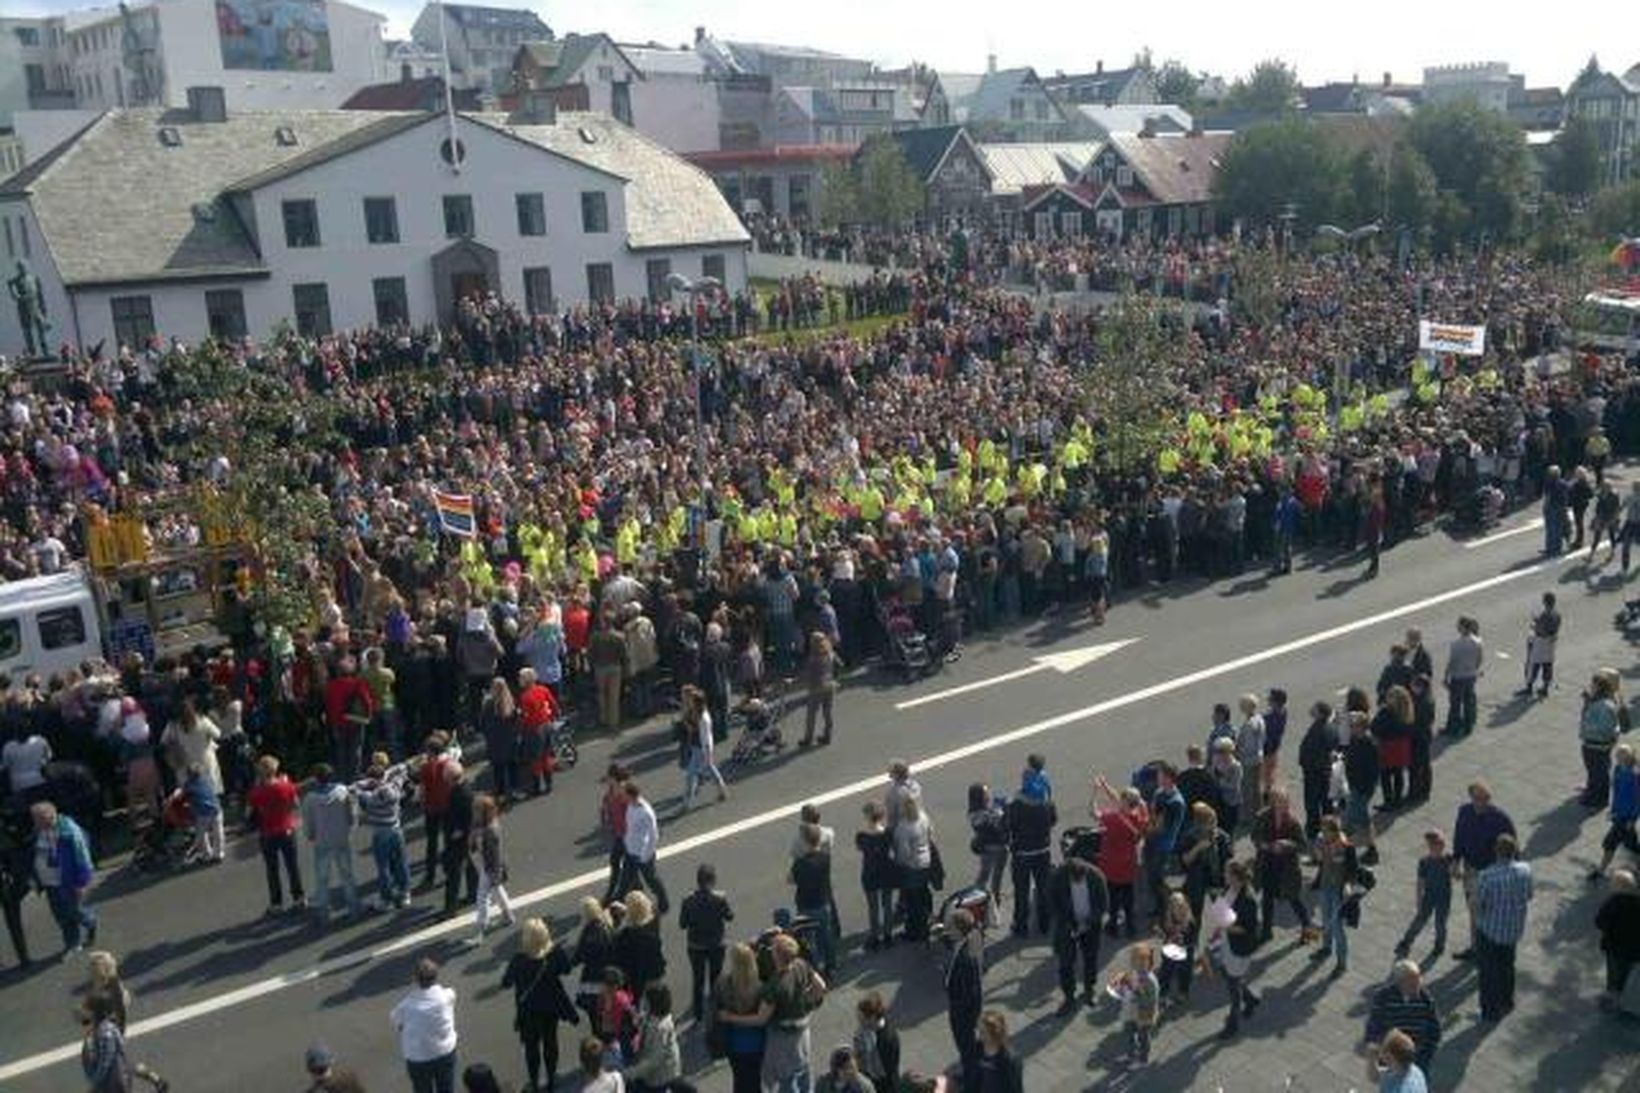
pixel 700 35
pixel 1098 68
pixel 405 72
pixel 1387 81
pixel 990 62
pixel 207 104
pixel 1148 129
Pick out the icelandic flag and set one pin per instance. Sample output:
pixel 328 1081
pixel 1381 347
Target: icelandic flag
pixel 455 513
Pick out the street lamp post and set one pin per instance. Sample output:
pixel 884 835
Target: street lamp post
pixel 677 282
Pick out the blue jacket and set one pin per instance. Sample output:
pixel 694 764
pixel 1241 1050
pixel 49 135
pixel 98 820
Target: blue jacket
pixel 1625 794
pixel 73 855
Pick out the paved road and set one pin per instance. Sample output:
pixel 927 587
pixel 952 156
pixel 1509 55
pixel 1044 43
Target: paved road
pixel 227 997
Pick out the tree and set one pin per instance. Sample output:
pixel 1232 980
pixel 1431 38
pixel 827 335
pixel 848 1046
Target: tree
pixel 1271 88
pixel 1479 158
pixel 1615 212
pixel 1176 84
pixel 1574 166
pixel 1129 382
pixel 1367 189
pixel 839 196
pixel 1412 190
pixel 890 191
pixel 1270 166
pixel 1559 236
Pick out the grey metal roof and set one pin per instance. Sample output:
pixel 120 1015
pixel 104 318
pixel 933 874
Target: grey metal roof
pixel 660 61
pixel 1132 119
pixel 114 204
pixel 669 202
pixel 1016 166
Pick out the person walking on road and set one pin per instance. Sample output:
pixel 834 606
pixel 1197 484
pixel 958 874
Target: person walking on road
pixel 1031 820
pixel 594 946
pixel 1250 739
pixel 638 951
pixel 491 865
pixel 988 820
pixel 1540 648
pixel 458 840
pixel 965 991
pixel 640 843
pixel 275 810
pixel 328 817
pixel 1625 795
pixel 1434 895
pixel 1315 763
pixel 1605 716
pixel 819 673
pixel 1618 921
pixel 700 745
pixel 878 874
pixel 612 821
pixel 1465 664
pixel 704 918
pixel 1474 848
pixel 1502 892
pixel 1079 899
pixel 810 876
pixel 1336 870
pixel 1234 920
pixel 914 858
pixel 425 1021
pixel 535 974
pixel 1403 1005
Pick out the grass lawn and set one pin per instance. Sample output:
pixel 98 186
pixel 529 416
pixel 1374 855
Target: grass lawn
pixel 762 288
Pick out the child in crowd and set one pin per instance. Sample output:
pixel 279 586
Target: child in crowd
pixel 1140 993
pixel 1434 895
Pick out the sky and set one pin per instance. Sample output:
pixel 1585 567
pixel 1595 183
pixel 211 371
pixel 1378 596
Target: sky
pixel 1547 45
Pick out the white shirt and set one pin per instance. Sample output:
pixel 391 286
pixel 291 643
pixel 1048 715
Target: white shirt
pixel 643 831
pixel 426 1022
pixel 610 1081
pixel 25 761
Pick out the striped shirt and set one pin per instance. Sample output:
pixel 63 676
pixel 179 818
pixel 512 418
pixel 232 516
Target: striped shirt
pixel 1501 894
pixel 1415 1016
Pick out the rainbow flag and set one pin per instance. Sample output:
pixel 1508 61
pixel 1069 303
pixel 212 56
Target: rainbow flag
pixel 456 515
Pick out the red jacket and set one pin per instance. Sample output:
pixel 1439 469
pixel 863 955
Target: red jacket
pixel 343 692
pixel 536 707
pixel 435 791
pixel 275 806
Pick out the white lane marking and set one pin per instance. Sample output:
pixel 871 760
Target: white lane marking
pixel 1063 662
pixel 1498 536
pixel 253 991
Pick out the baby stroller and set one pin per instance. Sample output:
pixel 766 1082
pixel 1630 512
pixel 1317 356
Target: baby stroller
pixel 759 734
pixel 976 900
pixel 908 648
pixel 161 840
pixel 561 744
pixel 803 929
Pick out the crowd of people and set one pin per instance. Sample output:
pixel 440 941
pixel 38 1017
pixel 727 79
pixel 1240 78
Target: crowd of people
pixel 949 474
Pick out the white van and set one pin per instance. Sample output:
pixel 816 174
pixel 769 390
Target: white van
pixel 48 625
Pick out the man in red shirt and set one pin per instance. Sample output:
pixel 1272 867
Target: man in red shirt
pixel 435 801
pixel 349 706
pixel 273 804
pixel 537 709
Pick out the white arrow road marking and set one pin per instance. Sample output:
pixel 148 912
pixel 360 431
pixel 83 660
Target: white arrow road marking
pixel 1064 662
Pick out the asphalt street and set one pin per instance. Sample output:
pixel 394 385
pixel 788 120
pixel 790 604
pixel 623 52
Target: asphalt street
pixel 225 999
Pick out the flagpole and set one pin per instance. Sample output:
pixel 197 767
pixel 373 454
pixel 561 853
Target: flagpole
pixel 449 93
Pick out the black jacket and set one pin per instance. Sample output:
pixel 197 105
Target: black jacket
pixel 704 917
pixel 1315 751
pixel 1244 936
pixel 811 876
pixel 964 983
pixel 1361 764
pixel 538 986
pixel 1196 784
pixel 1030 826
pixel 1059 900
pixel 593 953
pixel 637 952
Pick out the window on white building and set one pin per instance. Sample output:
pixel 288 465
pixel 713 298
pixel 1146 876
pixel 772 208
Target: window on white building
pixel 392 301
pixel 538 290
pixel 600 283
pixel 713 266
pixel 133 320
pixel 225 313
pixel 1044 225
pixel 458 216
pixel 311 302
pixel 594 212
pixel 381 220
pixel 656 271
pixel 1124 176
pixel 532 214
pixel 1070 225
pixel 301 222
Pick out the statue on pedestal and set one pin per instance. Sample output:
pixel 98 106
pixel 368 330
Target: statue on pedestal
pixel 26 291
